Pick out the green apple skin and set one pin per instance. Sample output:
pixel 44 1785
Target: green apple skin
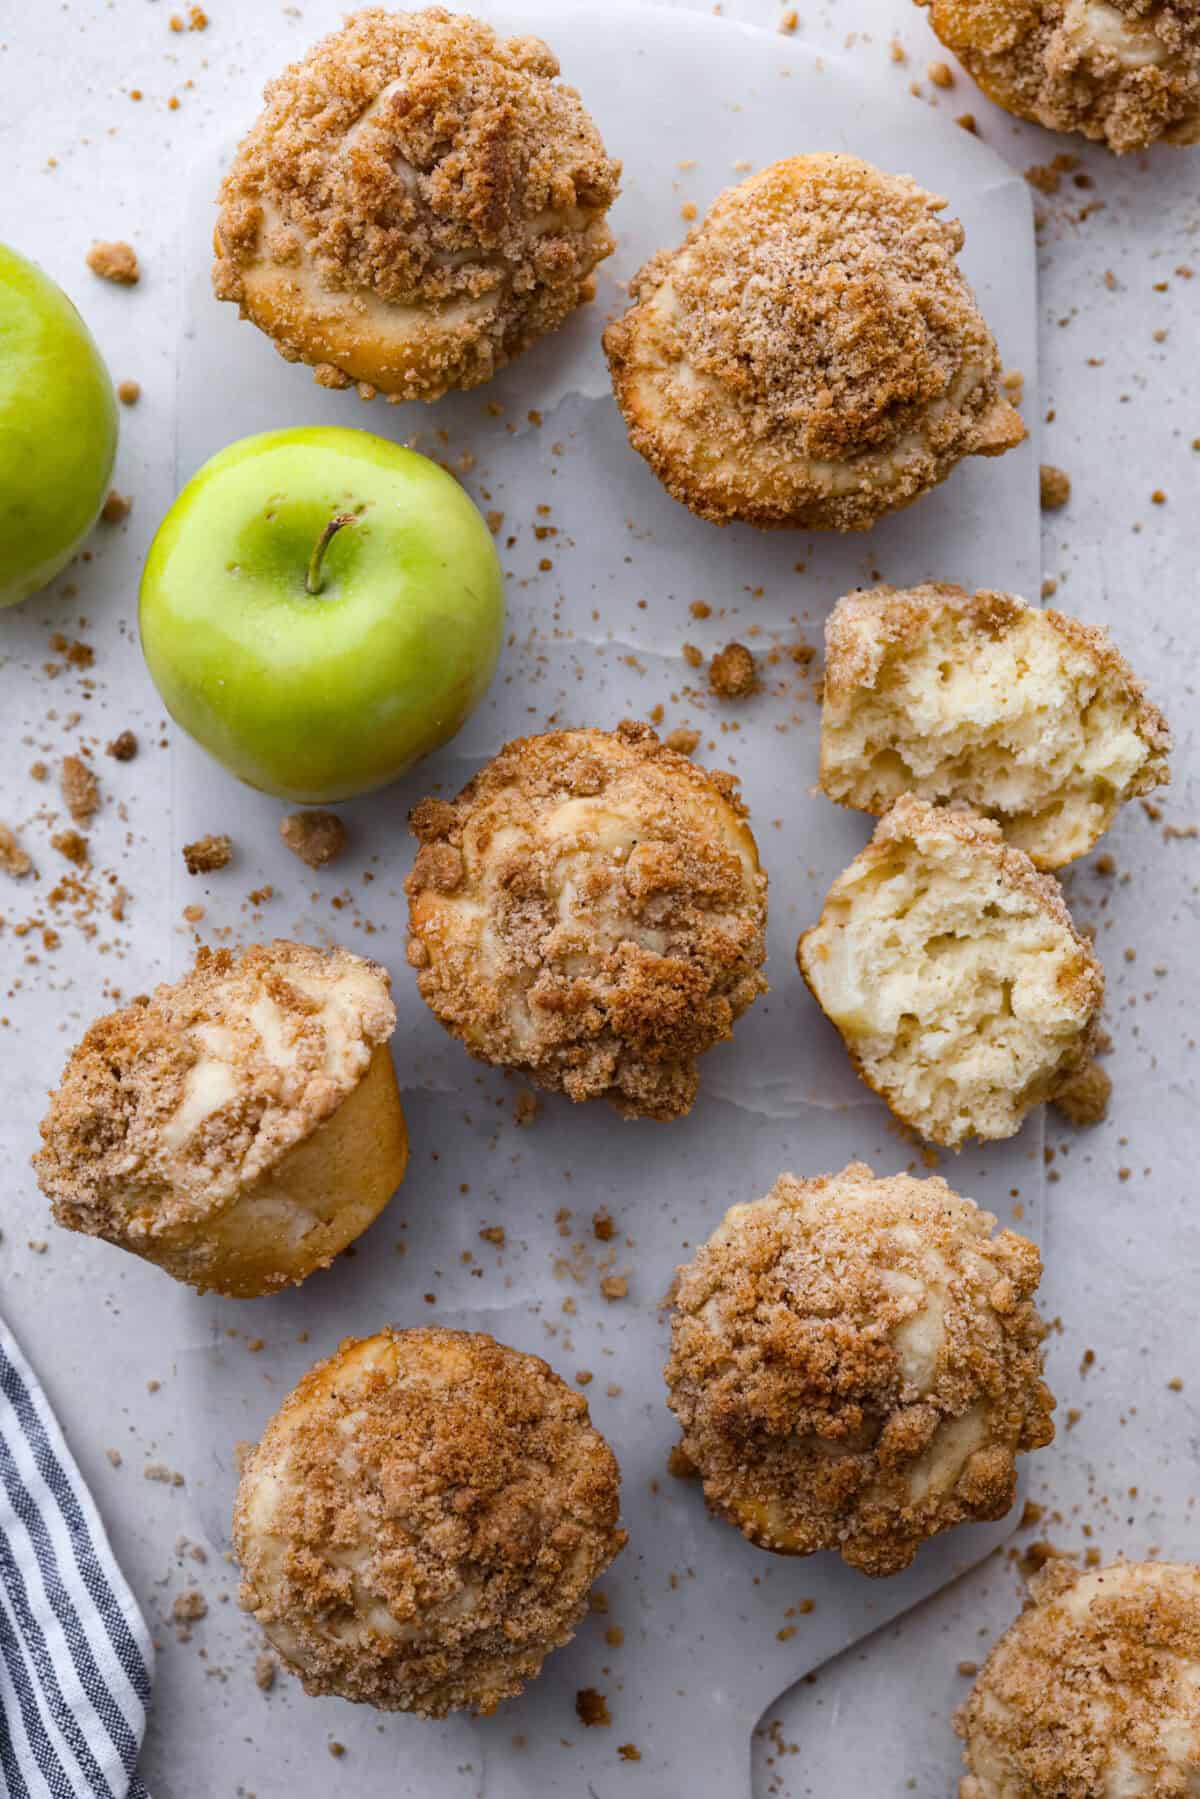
pixel 58 429
pixel 317 697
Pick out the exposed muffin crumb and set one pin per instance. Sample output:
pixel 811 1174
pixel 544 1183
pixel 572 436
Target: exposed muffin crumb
pixel 1054 487
pixel 419 201
pixel 591 911
pixel 123 748
pixel 811 355
pixel 1125 72
pixel 1084 1097
pixel 732 673
pixel 962 990
pixel 423 1521
pixel 185 1127
pixel 1028 716
pixel 1095 1689
pixel 116 262
pixel 856 1363
pixel 316 837
pixel 80 789
pixel 208 854
pixel 13 859
pixel 73 845
pixel 592 1708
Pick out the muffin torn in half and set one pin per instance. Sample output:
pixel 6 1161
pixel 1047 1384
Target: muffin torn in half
pixel 1028 716
pixel 240 1126
pixel 1095 1690
pixel 811 354
pixel 423 1520
pixel 951 967
pixel 590 910
pixel 856 1363
pixel 1126 72
pixel 419 201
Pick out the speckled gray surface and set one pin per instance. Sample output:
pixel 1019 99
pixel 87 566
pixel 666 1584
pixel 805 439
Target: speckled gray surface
pixel 1123 1253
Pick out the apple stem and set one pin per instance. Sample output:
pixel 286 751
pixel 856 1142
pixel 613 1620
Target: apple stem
pixel 314 580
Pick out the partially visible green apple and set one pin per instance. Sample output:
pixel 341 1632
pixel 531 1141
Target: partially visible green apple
pixel 58 429
pixel 319 608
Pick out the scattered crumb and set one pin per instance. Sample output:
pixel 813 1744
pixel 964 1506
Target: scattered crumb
pixel 691 655
pixel 1055 487
pixel 264 1671
pixel 129 392
pixel 13 859
pixel 683 739
pixel 80 789
pixel 941 74
pixel 114 1456
pixel 208 854
pixel 789 21
pixel 493 1233
pixel 116 508
pixel 732 674
pixel 123 748
pixel 614 1286
pixel 1084 1098
pixel 967 121
pixel 592 1707
pixel 115 262
pixel 160 1472
pixel 968 1669
pixel 629 1752
pixel 526 1107
pixel 72 845
pixel 316 837
pixel 189 1605
pixel 337 1750
pixel 603 1228
pixel 1175 1385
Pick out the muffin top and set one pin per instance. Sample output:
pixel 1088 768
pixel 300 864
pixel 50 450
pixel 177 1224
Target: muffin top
pixel 423 1519
pixel 590 909
pixel 175 1103
pixel 1094 1691
pixel 856 1362
pixel 812 347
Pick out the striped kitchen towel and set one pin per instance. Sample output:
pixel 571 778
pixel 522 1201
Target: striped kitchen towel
pixel 76 1658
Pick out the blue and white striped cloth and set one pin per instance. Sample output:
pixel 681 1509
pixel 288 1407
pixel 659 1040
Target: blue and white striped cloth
pixel 76 1659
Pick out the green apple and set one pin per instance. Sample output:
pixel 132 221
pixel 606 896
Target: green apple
pixel 58 429
pixel 319 608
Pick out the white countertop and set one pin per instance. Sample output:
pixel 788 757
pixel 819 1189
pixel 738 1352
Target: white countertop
pixel 83 160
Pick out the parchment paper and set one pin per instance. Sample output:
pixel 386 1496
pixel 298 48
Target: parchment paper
pixel 712 1629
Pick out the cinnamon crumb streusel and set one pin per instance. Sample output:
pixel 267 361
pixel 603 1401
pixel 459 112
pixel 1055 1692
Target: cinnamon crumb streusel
pixel 811 355
pixel 590 910
pixel 115 262
pixel 856 1363
pixel 1126 72
pixel 1095 1690
pixel 423 1520
pixel 240 1125
pixel 420 200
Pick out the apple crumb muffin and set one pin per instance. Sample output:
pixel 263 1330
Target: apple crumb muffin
pixel 591 911
pixel 1094 1690
pixel 240 1126
pixel 423 1520
pixel 811 355
pixel 1125 72
pixel 420 200
pixel 856 1363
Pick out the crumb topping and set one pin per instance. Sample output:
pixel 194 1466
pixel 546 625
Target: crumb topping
pixel 1094 1690
pixel 116 262
pixel 419 200
pixel 317 837
pixel 856 1362
pixel 811 355
pixel 170 1107
pixel 590 910
pixel 1125 72
pixel 423 1519
pixel 209 854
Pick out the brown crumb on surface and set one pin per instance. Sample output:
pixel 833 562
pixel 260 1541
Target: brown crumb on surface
pixel 337 1750
pixel 629 1752
pixel 1084 1098
pixel 494 1233
pixel 208 853
pixel 789 21
pixel 941 74
pixel 692 655
pixel 116 262
pixel 592 1707
pixel 683 740
pixel 732 674
pixel 189 1605
pixel 968 1669
pixel 80 789
pixel 72 845
pixel 603 1228
pixel 614 1286
pixel 317 837
pixel 114 1456
pixel 1055 487
pixel 265 1667
pixel 116 508
pixel 967 121
pixel 680 1463
pixel 123 747
pixel 13 859
pixel 526 1107
pixel 129 392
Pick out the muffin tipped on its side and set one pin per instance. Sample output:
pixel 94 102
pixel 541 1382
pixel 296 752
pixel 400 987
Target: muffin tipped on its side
pixel 856 1363
pixel 1027 716
pixel 962 990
